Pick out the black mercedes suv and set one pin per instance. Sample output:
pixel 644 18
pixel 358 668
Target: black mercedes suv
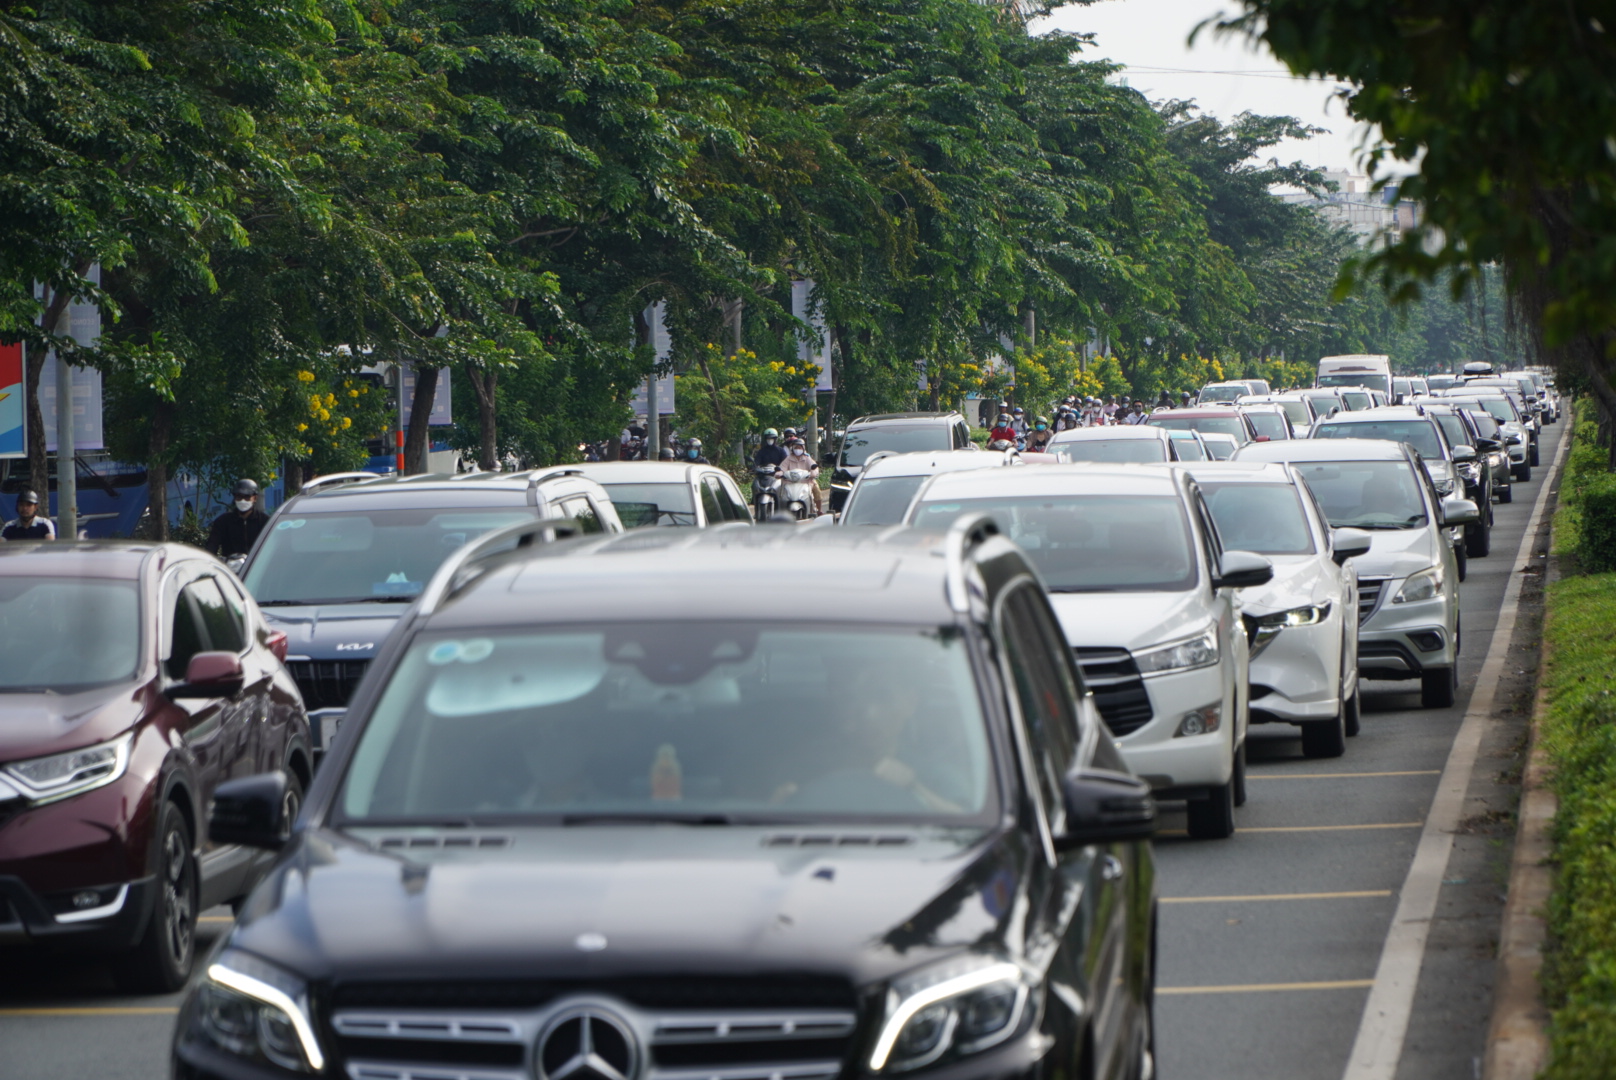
pixel 590 819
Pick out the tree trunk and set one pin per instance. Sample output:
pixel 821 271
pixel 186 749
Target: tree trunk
pixel 720 424
pixel 483 384
pixel 157 443
pixel 417 436
pixel 294 478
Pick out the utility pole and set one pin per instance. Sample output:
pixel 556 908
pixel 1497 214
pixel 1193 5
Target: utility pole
pixel 67 488
pixel 653 419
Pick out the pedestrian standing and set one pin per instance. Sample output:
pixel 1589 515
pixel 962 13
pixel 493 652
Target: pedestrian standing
pixel 235 530
pixel 28 525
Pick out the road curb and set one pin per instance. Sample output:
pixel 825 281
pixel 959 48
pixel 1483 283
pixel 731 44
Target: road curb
pixel 1517 1036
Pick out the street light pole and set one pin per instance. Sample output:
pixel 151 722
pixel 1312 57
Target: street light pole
pixel 67 488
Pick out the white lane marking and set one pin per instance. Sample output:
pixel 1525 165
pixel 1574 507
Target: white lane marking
pixel 1261 988
pixel 1384 1025
pixel 1343 775
pixel 1360 894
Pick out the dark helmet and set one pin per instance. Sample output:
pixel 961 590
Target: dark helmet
pixel 665 454
pixel 245 489
pixel 28 495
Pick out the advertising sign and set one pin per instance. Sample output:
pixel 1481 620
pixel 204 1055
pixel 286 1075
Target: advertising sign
pixel 13 432
pixel 87 433
pixel 442 413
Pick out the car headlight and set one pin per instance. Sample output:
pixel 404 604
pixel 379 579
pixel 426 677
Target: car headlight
pixel 1469 470
pixel 254 1010
pixel 1196 652
pixel 61 776
pixel 1267 627
pixel 1421 586
pixel 955 1008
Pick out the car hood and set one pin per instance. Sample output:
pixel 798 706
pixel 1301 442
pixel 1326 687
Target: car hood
pixel 1130 620
pixel 1297 580
pixel 335 631
pixel 665 899
pixel 36 725
pixel 1397 553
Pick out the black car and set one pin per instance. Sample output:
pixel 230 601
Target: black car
pixel 893 433
pixel 601 813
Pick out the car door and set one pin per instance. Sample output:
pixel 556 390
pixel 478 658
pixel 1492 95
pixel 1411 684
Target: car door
pixel 1086 907
pixel 1234 642
pixel 267 729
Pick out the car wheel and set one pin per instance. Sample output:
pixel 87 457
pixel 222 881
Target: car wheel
pixel 1439 687
pixel 1212 818
pixel 1464 560
pixel 1144 1058
pixel 1352 714
pixel 1239 778
pixel 1522 472
pixel 1506 493
pixel 161 962
pixel 1325 738
pixel 1478 540
pixel 1531 457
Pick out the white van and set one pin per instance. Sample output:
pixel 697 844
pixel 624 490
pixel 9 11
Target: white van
pixel 1372 372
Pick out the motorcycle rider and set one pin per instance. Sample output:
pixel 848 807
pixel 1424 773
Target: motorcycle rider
pixel 235 530
pixel 771 452
pixel 693 454
pixel 1003 431
pixel 28 525
pixel 665 454
pixel 797 458
pixel 1038 441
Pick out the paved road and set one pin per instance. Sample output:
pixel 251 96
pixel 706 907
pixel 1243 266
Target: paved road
pixel 1270 940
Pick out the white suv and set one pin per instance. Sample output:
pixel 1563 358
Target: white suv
pixel 1304 623
pixel 1147 598
pixel 1408 581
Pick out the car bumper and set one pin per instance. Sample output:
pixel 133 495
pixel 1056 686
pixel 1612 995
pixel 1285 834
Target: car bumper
pixel 28 918
pixel 1188 761
pixel 1295 679
pixel 1401 641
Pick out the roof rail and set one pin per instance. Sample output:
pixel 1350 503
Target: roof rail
pixel 337 479
pixel 967 534
pixel 474 558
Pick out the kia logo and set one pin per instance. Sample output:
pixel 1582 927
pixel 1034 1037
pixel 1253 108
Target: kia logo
pixel 356 646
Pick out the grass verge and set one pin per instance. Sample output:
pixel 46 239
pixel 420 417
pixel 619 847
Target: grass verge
pixel 1578 733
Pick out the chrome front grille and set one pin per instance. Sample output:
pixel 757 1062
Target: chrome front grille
pixel 1369 596
pixel 1119 691
pixel 729 1045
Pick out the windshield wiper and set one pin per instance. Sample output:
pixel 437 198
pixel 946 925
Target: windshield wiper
pixel 647 819
pixel 340 600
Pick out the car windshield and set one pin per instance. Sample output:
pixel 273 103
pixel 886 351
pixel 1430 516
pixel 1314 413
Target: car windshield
pixel 67 634
pixel 860 443
pixel 1112 451
pixel 1272 424
pixel 1187 447
pixel 1265 518
pixel 1223 393
pixel 1365 494
pixel 1356 400
pixel 1222 425
pixel 376 556
pixel 1296 411
pixel 1486 426
pixel 1453 428
pixel 1400 386
pixel 687 722
pixel 1355 379
pixel 881 500
pixel 1420 434
pixel 1219 447
pixel 1441 382
pixel 653 504
pixel 1089 543
pixel 1498 408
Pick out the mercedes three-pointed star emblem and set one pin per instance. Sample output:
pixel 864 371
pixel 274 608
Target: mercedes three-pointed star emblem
pixel 587 1043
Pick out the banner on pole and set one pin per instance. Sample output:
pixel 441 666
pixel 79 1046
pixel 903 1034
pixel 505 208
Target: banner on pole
pixel 13 430
pixel 812 315
pixel 662 342
pixel 442 412
pixel 84 324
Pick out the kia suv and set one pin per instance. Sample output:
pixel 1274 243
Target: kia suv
pixel 134 678
pixel 590 818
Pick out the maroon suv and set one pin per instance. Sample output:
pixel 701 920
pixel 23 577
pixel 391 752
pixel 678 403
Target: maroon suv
pixel 133 679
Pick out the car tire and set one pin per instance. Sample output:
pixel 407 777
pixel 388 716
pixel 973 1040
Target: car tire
pixel 1531 456
pixel 1478 540
pixel 1212 818
pixel 1464 560
pixel 1439 687
pixel 1239 777
pixel 161 962
pixel 1144 1058
pixel 1522 472
pixel 1507 494
pixel 1352 711
pixel 1325 738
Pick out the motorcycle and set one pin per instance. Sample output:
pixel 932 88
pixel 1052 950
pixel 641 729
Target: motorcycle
pixel 765 491
pixel 797 493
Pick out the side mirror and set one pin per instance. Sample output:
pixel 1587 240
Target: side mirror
pixel 1487 446
pixel 1459 512
pixel 1462 454
pixel 1513 440
pixel 1243 570
pixel 208 675
pixel 235 563
pixel 1104 807
pixel 1348 544
pixel 251 811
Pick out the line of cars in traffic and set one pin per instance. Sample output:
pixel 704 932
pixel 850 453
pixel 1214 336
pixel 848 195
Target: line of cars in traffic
pixel 588 794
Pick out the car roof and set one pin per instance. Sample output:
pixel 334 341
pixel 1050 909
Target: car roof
pixel 1325 450
pixel 1218 436
pixel 1076 479
pixel 1117 431
pixel 1385 412
pixel 903 418
pixel 437 490
pixel 886 575
pixel 924 463
pixel 1198 411
pixel 1259 405
pixel 642 472
pixel 1238 472
pixel 120 559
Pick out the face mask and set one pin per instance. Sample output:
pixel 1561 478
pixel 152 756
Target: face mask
pixel 1040 427
pixel 244 505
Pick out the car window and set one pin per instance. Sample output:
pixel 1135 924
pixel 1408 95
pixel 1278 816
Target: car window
pixel 653 504
pixel 187 633
pixel 1265 518
pixel 581 510
pixel 1366 494
pixel 1296 412
pixel 1221 425
pixel 881 500
pixel 1111 451
pixel 711 504
pixel 859 443
pixel 1047 701
pixel 224 631
pixel 1453 428
pixel 1420 434
pixel 738 510
pixel 1272 424
pixel 741 721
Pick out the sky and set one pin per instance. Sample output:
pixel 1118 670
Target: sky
pixel 1225 76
